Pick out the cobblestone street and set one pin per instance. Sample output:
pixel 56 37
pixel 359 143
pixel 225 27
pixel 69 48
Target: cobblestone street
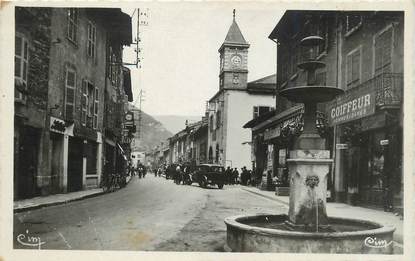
pixel 149 214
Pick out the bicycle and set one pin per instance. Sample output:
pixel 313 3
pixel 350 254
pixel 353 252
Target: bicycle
pixel 108 183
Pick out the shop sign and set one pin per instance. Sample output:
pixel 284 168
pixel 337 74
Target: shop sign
pixel 353 105
pixel 126 140
pixel 342 146
pixel 129 119
pixel 57 125
pixel 272 133
pixel 294 119
pixel 384 142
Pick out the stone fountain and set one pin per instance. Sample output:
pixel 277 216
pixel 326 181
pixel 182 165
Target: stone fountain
pixel 307 228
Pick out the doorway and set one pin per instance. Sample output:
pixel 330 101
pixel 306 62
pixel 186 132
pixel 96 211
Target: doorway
pixel 75 156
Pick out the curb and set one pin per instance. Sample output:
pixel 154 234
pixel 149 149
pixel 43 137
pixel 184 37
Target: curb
pixel 265 196
pixel 23 209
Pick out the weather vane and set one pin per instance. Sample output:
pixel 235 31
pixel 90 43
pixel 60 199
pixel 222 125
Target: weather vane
pixel 234 14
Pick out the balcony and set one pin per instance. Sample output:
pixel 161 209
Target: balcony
pixel 388 88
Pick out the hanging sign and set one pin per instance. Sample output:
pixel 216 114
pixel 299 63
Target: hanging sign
pixel 384 142
pixel 272 133
pixel 129 119
pixel 57 125
pixel 342 146
pixel 354 104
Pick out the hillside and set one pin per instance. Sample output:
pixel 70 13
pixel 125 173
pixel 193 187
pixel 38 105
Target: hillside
pixel 152 132
pixel 175 123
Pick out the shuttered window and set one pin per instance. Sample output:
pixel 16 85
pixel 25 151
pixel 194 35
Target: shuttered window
pixel 383 52
pixel 92 34
pixel 84 102
pixel 70 86
pixel 72 24
pixel 21 64
pixel 96 104
pixel 353 68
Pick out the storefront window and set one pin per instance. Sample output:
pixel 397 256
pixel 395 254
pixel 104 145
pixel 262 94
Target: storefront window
pixel 376 162
pixel 282 159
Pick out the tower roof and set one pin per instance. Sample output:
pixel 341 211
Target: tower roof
pixel 234 36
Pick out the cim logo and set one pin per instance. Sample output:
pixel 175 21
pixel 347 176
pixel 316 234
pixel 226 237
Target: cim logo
pixel 373 242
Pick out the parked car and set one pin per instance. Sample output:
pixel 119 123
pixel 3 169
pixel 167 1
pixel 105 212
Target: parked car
pixel 170 171
pixel 209 174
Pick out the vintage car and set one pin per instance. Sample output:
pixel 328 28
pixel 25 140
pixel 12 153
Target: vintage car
pixel 212 174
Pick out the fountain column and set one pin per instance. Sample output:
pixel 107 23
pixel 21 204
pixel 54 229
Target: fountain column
pixel 309 162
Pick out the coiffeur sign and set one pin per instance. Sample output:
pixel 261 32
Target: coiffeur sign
pixel 354 104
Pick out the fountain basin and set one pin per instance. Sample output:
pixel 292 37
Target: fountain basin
pixel 313 94
pixel 269 233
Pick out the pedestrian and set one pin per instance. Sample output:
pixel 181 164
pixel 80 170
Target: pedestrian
pixel 177 174
pixel 244 176
pixel 228 175
pixel 235 175
pixel 249 177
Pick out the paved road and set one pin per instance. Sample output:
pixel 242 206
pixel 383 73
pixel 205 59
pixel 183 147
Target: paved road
pixel 149 214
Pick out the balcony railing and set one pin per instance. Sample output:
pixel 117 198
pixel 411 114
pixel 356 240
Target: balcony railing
pixel 389 88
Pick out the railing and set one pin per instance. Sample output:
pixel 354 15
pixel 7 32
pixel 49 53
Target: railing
pixel 389 89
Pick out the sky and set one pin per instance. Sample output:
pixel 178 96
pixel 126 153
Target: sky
pixel 179 51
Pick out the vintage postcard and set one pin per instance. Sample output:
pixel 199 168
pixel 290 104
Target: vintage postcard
pixel 207 130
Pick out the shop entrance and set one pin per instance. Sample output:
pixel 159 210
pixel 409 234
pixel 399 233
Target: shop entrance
pixel 56 142
pixel 27 163
pixel 75 155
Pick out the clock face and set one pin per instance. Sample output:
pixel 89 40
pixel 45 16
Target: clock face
pixel 236 60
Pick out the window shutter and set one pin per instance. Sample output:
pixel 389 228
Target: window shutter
pixel 356 66
pixel 70 82
pixel 349 69
pixel 387 50
pixel 383 52
pixel 70 97
pixel 84 102
pixel 96 104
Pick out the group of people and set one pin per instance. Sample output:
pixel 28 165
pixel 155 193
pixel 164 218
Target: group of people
pixel 139 169
pixel 181 174
pixel 234 177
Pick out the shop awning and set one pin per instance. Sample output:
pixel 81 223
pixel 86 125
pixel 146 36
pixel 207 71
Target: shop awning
pixel 122 151
pixel 279 117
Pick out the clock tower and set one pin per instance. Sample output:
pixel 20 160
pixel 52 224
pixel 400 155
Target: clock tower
pixel 233 59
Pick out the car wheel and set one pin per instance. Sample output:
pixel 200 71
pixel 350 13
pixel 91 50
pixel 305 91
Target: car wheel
pixel 203 182
pixel 220 185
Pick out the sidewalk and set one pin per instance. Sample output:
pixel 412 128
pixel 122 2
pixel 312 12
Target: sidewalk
pixel 335 209
pixel 56 199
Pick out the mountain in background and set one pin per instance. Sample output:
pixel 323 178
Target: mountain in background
pixel 176 123
pixel 152 132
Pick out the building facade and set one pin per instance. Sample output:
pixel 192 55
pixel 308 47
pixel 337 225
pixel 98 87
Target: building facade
pixel 363 53
pixel 61 71
pixel 234 104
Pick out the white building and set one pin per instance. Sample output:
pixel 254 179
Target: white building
pixel 236 102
